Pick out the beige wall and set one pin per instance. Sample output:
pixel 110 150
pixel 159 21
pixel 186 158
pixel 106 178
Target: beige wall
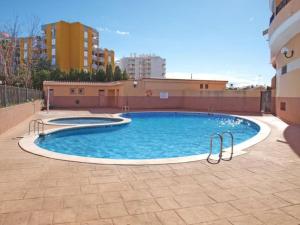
pixel 12 115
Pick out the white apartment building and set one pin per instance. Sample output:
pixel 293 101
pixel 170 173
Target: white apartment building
pixel 144 66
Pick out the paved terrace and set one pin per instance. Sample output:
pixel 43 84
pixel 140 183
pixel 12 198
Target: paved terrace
pixel 260 187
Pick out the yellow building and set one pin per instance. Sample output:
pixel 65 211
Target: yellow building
pixel 70 45
pixel 102 58
pixel 30 49
pixel 284 40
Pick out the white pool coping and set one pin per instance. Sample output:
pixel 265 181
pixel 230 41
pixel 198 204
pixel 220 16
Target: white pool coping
pixel 27 144
pixel 49 121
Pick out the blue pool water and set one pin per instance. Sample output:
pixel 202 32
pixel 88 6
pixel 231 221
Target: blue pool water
pixel 84 120
pixel 150 135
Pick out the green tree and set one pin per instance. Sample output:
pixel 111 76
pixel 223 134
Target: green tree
pixel 124 75
pixel 39 77
pixel 117 74
pixel 100 75
pixel 109 73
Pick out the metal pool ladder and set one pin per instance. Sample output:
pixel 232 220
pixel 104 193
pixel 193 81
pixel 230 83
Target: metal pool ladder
pixel 221 138
pixel 36 126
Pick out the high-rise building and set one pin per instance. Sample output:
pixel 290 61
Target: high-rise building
pixel 70 45
pixel 102 58
pixel 144 66
pixel 30 49
pixel 284 40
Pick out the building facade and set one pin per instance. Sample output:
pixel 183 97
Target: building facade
pixel 30 49
pixel 144 66
pixel 284 41
pixel 102 58
pixel 75 46
pixel 70 45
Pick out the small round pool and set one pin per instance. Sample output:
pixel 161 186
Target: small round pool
pixel 149 136
pixel 83 120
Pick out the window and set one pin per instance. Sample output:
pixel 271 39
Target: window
pixel 53 41
pixel 201 86
pixel 282 106
pixel 85 44
pixel 85 34
pixel 109 59
pixel 81 91
pixel 85 63
pixel 53 61
pixel 53 51
pixel 72 91
pixel 85 54
pixel 284 70
pixel 25 45
pixel 25 55
pixel 206 86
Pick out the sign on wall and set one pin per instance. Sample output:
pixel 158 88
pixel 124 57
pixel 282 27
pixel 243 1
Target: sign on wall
pixel 164 95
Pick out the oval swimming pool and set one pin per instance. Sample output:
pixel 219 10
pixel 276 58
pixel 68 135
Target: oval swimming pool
pixel 83 120
pixel 150 135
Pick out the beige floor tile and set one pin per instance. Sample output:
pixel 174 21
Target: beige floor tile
pixel 52 203
pixel 221 196
pixel 224 210
pixel 21 205
pixel 41 218
pixel 169 218
pixel 167 203
pixel 98 222
pixel 276 217
pixel 142 219
pixel 136 195
pixel 89 189
pixel 292 196
pixel 142 206
pixel 64 216
pixel 74 201
pixel 19 218
pixel 249 205
pixel 110 197
pixel 293 211
pixel 87 213
pixel 188 200
pixel 104 179
pixel 196 215
pixel 112 210
pixel 245 220
pixel 113 187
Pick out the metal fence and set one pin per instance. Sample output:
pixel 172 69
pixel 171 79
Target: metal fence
pixel 10 95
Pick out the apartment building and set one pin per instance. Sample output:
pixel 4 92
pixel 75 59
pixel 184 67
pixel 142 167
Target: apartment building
pixel 284 41
pixel 30 49
pixel 102 58
pixel 144 66
pixel 70 45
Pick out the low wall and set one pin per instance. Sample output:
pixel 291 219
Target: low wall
pixel 247 104
pixel 12 115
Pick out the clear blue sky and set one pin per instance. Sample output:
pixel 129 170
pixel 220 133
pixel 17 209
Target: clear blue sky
pixel 211 39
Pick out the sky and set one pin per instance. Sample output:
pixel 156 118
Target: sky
pixel 210 39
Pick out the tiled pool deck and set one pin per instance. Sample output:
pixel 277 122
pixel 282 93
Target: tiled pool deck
pixel 260 187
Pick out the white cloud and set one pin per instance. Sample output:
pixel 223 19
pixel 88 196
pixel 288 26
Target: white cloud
pixel 118 32
pixel 238 80
pixel 122 32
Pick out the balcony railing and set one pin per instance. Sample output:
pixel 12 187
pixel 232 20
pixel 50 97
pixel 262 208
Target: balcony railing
pixel 281 5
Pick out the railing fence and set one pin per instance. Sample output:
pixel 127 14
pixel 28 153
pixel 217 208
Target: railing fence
pixel 11 95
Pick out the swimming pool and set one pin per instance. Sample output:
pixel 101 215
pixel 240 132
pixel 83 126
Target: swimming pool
pixel 149 136
pixel 83 120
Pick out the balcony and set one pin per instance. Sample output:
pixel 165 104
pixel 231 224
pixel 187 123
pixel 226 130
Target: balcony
pixel 282 4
